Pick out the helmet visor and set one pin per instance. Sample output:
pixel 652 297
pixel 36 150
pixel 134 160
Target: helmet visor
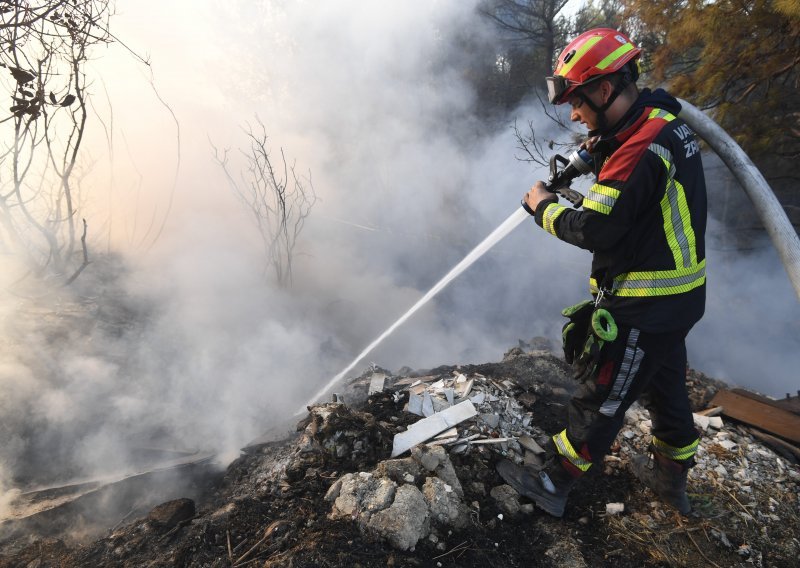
pixel 556 87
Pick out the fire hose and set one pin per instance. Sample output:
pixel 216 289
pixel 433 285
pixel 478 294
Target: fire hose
pixel 769 210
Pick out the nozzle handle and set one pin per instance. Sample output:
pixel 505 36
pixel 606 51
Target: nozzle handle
pixel 574 197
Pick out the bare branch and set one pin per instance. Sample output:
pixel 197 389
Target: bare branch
pixel 44 47
pixel 278 199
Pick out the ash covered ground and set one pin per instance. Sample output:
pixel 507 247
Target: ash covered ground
pixel 326 492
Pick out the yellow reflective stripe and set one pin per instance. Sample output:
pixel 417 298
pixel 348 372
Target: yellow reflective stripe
pixel 565 449
pixel 567 67
pixel 673 453
pixel 681 223
pixel 601 198
pixel 675 213
pixel 594 287
pixel 659 282
pixel 551 213
pixel 661 113
pixel 614 55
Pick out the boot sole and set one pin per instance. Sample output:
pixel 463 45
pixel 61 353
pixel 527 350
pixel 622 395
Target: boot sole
pixel 528 486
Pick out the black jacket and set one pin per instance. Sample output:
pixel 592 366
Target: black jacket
pixel 644 218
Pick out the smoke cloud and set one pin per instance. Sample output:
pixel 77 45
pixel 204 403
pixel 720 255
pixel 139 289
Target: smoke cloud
pixel 191 344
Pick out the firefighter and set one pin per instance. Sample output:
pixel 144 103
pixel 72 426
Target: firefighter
pixel 644 220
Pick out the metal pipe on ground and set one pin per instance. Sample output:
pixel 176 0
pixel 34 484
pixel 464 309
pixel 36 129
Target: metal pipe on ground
pixel 769 210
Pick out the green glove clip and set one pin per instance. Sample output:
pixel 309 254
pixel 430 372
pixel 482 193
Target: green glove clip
pixel 586 331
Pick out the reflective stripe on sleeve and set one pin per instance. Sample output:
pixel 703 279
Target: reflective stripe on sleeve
pixel 601 198
pixel 551 213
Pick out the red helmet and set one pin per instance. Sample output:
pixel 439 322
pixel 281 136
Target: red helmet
pixel 591 55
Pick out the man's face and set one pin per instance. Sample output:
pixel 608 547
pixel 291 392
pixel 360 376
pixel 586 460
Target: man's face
pixel 581 112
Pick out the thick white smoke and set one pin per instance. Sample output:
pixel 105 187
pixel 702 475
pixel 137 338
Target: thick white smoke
pixel 194 346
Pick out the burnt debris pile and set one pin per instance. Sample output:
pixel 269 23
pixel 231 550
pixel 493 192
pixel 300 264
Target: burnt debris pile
pixel 399 471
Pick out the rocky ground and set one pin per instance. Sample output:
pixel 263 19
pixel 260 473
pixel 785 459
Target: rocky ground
pixel 329 493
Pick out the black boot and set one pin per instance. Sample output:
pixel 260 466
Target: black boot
pixel 667 478
pixel 548 487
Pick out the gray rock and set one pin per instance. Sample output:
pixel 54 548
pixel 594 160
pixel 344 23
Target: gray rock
pixel 169 514
pixel 447 473
pixel 722 537
pixel 478 487
pixel 506 499
pixel 429 457
pixel 445 506
pixel 435 459
pixel 381 496
pixel 567 554
pixel 405 522
pixel 360 495
pixel 530 444
pixel 335 489
pixel 491 420
pixel 398 469
pixel 351 488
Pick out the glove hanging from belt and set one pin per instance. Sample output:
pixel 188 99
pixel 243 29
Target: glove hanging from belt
pixel 587 330
pixel 574 332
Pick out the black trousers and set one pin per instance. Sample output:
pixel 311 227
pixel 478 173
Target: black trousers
pixel 650 366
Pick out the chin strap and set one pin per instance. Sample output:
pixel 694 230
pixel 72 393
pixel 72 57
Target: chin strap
pixel 625 79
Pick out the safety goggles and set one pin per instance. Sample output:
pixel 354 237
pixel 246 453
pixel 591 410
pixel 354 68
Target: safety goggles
pixel 556 87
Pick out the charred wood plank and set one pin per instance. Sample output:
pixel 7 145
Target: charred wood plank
pixel 788 403
pixel 756 413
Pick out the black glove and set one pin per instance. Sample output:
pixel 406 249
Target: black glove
pixel 576 330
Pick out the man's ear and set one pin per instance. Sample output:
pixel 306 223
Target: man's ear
pixel 606 88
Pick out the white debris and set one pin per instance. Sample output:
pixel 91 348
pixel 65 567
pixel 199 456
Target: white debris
pixel 376 383
pixel 427 404
pixel 701 421
pixel 478 398
pixel 429 427
pixel 614 508
pixel 452 432
pixel 415 404
pixel 463 389
pixel 502 418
